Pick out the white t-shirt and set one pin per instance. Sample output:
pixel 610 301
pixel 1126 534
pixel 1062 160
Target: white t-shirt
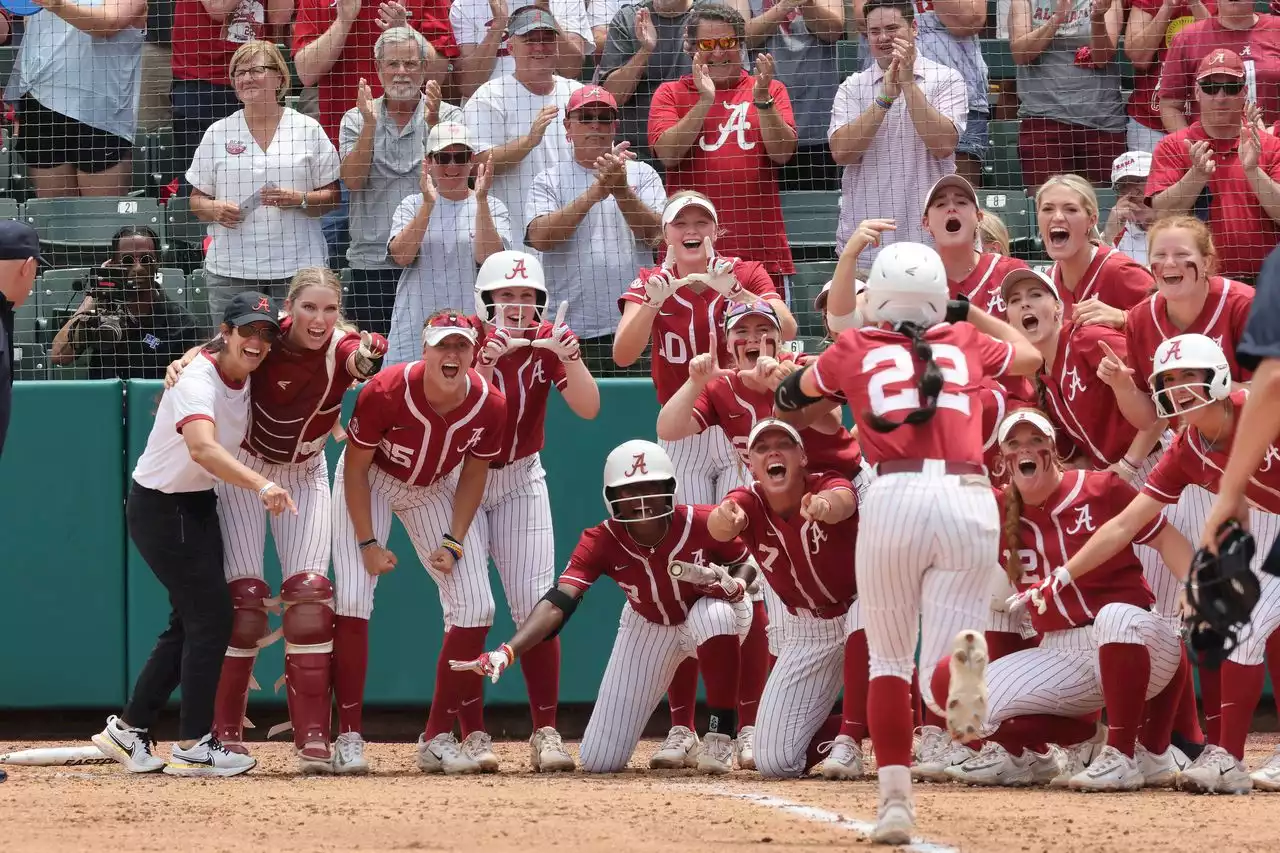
pixel 600 260
pixel 270 242
pixel 1133 242
pixel 502 110
pixel 200 394
pixel 470 20
pixel 444 273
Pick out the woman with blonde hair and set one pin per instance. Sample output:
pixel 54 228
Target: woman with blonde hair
pixel 262 178
pixel 994 235
pixel 296 399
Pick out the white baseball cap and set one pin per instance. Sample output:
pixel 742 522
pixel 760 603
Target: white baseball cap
pixel 1016 277
pixel 444 326
pixel 445 134
pixel 1131 164
pixel 820 301
pixel 673 208
pixel 773 424
pixel 1025 416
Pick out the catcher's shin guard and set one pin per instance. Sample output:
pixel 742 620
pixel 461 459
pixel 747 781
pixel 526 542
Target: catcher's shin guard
pixel 251 598
pixel 308 648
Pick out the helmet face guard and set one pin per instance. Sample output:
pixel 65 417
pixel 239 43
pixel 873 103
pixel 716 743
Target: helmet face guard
pixel 1168 407
pixel 653 506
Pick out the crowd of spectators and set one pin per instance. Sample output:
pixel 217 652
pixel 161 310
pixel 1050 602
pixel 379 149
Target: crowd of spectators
pixel 407 140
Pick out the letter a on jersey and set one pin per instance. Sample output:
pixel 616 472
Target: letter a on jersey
pixel 1084 521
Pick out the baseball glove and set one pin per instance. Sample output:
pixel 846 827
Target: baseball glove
pixel 1222 591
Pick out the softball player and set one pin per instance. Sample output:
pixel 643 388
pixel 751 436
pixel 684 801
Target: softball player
pixel 523 357
pixel 1192 381
pixel 648 538
pixel 295 404
pixel 420 442
pixel 802 528
pixel 1101 644
pixel 929 524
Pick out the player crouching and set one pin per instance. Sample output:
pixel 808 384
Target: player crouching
pixel 802 528
pixel 646 541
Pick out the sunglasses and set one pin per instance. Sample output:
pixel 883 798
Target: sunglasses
pixel 263 331
pixel 145 260
pixel 452 158
pixel 724 43
pixel 1226 87
pixel 597 118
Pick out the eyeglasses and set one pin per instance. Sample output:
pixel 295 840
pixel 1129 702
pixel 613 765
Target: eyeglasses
pixel 251 71
pixel 401 64
pixel 724 43
pixel 452 158
pixel 597 118
pixel 263 331
pixel 145 260
pixel 1226 87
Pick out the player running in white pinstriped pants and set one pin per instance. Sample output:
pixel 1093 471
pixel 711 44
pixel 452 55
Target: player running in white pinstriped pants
pixel 523 357
pixel 929 524
pixel 296 401
pixel 1101 643
pixel 1192 381
pixel 419 445
pixel 648 540
pixel 678 310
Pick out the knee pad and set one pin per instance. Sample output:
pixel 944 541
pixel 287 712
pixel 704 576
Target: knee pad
pixel 251 599
pixel 307 598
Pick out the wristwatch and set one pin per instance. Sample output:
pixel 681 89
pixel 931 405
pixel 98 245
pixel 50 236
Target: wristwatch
pixel 764 105
pixel 303 203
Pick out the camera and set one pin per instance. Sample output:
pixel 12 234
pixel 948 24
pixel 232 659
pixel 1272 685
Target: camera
pixel 112 291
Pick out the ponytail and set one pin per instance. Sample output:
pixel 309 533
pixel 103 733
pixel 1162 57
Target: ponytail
pixel 1009 529
pixel 930 383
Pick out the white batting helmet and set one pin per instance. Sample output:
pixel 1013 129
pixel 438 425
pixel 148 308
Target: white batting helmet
pixel 639 461
pixel 509 269
pixel 1189 352
pixel 908 284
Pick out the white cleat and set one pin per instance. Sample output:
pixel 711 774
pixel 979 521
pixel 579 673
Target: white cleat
pixel 744 747
pixel 131 747
pixel 208 757
pixel 1161 771
pixel 967 696
pixel 547 753
pixel 1267 777
pixel 679 750
pixel 895 821
pixel 442 754
pixel 478 746
pixel 844 759
pixel 715 754
pixel 348 755
pixel 938 752
pixel 1044 767
pixel 1110 770
pixel 1216 771
pixel 993 766
pixel 1076 758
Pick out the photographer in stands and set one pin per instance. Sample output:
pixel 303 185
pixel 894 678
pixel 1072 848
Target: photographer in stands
pixel 126 325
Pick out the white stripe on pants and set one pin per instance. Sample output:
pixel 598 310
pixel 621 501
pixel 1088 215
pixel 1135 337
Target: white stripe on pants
pixel 425 512
pixel 644 658
pixel 801 690
pixel 302 540
pixel 923 563
pixel 1266 615
pixel 516 511
pixel 707 467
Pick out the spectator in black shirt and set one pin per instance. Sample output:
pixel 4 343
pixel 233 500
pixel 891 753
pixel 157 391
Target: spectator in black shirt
pixel 126 325
pixel 19 255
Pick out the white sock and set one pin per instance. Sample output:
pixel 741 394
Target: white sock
pixel 895 781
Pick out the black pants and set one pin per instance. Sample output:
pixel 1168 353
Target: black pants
pixel 178 536
pixel 372 298
pixel 196 105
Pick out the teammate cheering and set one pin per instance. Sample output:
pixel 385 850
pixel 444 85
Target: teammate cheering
pixel 1100 643
pixel 296 402
pixel 641 546
pixel 929 526
pixel 799 522
pixel 420 442
pixel 523 356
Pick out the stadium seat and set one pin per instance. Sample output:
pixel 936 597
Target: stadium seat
pixel 10 209
pixel 29 324
pixel 806 284
pixel 182 230
pixel 198 299
pixel 999 59
pixel 76 232
pixel 162 165
pixel 1003 168
pixel 848 58
pixel 13 173
pixel 1106 201
pixel 30 361
pixel 811 218
pixel 174 282
pixel 61 292
pixel 1015 211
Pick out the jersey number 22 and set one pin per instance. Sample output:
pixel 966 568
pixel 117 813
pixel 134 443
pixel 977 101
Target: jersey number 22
pixel 893 365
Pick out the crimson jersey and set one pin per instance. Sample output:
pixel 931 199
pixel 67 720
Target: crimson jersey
pixel 982 285
pixel 1111 277
pixel 689 323
pixel 1051 533
pixel 996 403
pixel 1080 403
pixel 525 376
pixel 875 369
pixel 1223 318
pixel 1190 461
pixel 415 443
pixel 641 571
pixel 297 396
pixel 809 564
pixel 728 403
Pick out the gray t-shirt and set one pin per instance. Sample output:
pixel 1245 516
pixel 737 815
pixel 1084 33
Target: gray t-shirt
pixel 1055 87
pixel 667 62
pixel 806 65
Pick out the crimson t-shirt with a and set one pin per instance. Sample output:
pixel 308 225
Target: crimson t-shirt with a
pixel 1144 103
pixel 202 47
pixel 1258 46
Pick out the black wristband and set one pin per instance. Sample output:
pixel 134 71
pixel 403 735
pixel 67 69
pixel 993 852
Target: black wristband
pixel 366 543
pixel 958 309
pixel 449 537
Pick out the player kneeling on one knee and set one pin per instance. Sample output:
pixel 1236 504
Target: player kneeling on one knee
pixel 686 596
pixel 802 528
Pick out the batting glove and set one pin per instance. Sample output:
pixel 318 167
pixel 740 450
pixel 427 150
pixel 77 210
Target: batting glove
pixel 490 663
pixel 563 342
pixel 370 352
pixel 659 287
pixel 495 347
pixel 721 279
pixel 727 588
pixel 1040 594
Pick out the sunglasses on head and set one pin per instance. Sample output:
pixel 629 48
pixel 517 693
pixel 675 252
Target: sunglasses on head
pixel 145 259
pixel 263 331
pixel 452 158
pixel 1226 87
pixel 724 43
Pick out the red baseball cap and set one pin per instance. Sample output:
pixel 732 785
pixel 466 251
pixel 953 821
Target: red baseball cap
pixel 1221 61
pixel 589 96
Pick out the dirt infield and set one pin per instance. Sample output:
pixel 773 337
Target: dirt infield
pixel 102 808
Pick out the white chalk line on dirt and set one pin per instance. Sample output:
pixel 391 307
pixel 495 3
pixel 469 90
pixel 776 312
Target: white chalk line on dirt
pixel 813 814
